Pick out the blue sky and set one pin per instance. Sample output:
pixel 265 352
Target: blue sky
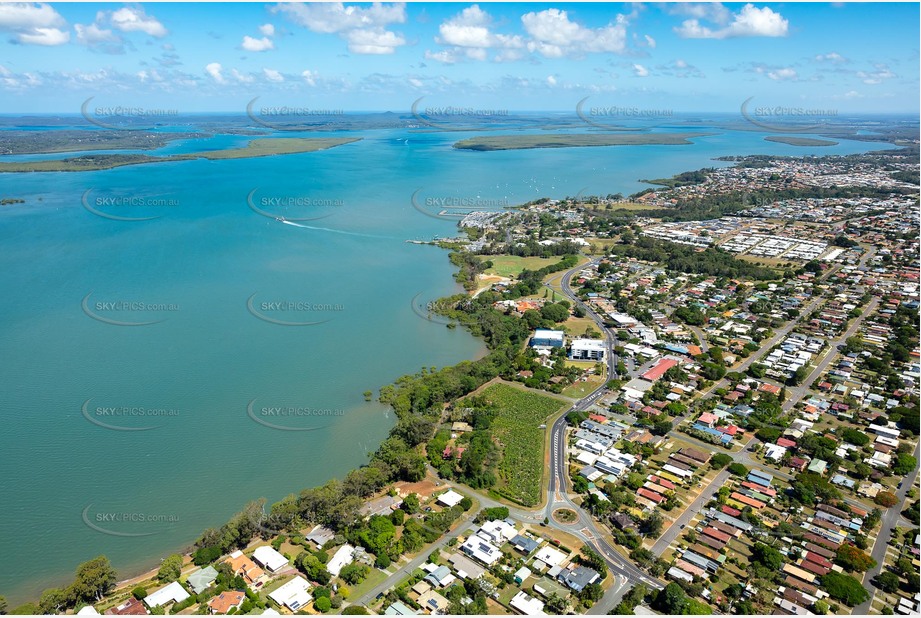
pixel 497 56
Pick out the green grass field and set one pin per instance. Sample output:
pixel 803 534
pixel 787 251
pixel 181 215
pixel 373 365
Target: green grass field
pixel 517 428
pixel 512 265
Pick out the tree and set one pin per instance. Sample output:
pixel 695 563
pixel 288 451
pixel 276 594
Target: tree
pixel 844 588
pixel 904 463
pixel 206 555
pixel 720 460
pixel 652 525
pixel 857 438
pixel 852 559
pixel 671 599
pixel 903 566
pixel 354 573
pixel 887 581
pixel 738 469
pixel 410 504
pixel 94 579
pixel 139 592
pixel 661 427
pixel 886 499
pixel 592 592
pixel 3 605
pixel 767 556
pixel 820 607
pixel 355 610
pixel 52 601
pixel 322 604
pixel 170 568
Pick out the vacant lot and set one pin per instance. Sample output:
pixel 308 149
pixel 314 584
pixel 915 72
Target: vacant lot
pixel 518 432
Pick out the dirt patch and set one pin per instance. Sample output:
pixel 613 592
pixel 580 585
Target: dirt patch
pixel 424 488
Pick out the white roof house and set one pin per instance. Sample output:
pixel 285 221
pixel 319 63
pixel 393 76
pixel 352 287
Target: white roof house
pixel 481 549
pixel 293 594
pixel 88 610
pixel 267 557
pixel 774 452
pixel 341 558
pixel 497 531
pixel 170 593
pixel 550 556
pixel 527 605
pixel 450 498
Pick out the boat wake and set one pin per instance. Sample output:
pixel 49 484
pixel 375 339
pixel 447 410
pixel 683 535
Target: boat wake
pixel 334 231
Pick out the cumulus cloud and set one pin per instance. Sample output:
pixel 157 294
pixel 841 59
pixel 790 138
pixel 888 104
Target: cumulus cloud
pixel 267 30
pixel 880 73
pixel 750 21
pixel 650 42
pixel 782 74
pixel 551 80
pixel 33 23
pixel 134 19
pixel 833 57
pixel 364 29
pixel 257 45
pixel 272 75
pixel 309 78
pixel 373 41
pixel 469 34
pixel 214 70
pixel 554 35
pixel 640 70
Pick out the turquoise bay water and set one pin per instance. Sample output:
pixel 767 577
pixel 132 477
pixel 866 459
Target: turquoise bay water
pixel 211 357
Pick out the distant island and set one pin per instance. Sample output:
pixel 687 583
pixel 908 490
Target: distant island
pixel 799 141
pixel 256 148
pixel 570 140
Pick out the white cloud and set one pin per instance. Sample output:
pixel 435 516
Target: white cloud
pixel 134 19
pixel 551 80
pixel 94 34
pixel 782 74
pixel 650 42
pixel 445 56
pixel 309 78
pixel 43 36
pixel 214 70
pixel 243 78
pixel 469 35
pixel 750 21
pixel 364 29
pixel 267 29
pixel 881 73
pixel 640 70
pixel 471 28
pixel 710 11
pixel 376 41
pixel 273 76
pixel 554 35
pixel 833 57
pixel 33 23
pixel 257 45
pixel 17 15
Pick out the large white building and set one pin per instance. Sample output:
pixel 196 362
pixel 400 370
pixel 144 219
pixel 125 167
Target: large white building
pixel 587 349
